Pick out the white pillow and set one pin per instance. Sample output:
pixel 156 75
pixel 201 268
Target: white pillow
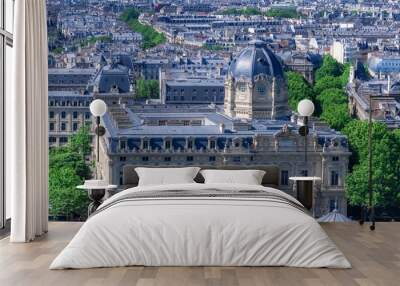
pixel 166 176
pixel 248 177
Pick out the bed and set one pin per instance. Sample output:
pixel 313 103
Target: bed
pixel 194 224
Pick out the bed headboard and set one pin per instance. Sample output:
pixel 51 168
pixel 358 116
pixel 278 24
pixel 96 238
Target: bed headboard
pixel 271 177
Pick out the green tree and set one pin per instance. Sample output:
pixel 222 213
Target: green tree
pixel 80 143
pixel 336 115
pixel 331 96
pixel 283 13
pixel 385 164
pixel 248 11
pixel 298 89
pixel 330 67
pixel 68 168
pixel 147 89
pixel 64 199
pixel 151 37
pixel 327 82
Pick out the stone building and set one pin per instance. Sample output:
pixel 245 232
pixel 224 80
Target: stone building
pixel 252 130
pixel 68 111
pixel 255 87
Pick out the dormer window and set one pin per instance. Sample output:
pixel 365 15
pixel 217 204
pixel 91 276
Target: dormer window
pixel 212 144
pixel 145 144
pixel 190 144
pixel 168 144
pixel 261 89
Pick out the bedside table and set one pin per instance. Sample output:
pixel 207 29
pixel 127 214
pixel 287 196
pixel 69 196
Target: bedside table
pixel 304 190
pixel 96 190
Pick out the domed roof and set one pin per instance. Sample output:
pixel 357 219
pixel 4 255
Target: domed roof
pixel 255 59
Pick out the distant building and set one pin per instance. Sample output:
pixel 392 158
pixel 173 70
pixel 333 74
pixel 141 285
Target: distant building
pixel 303 63
pixel 344 51
pixel 194 91
pixel 385 100
pixel 68 111
pixel 383 64
pixel 70 79
pixel 149 68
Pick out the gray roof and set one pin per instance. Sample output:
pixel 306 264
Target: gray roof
pixel 255 59
pixel 114 76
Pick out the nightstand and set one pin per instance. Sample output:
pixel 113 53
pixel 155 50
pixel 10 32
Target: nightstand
pixel 96 190
pixel 304 190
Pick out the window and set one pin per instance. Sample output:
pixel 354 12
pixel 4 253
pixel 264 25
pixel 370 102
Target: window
pixel 63 140
pixel 304 173
pixel 167 159
pixel 242 87
pixel 122 145
pixel 261 89
pixel 236 159
pixel 284 177
pixel 334 178
pixel 63 126
pixel 52 139
pixel 87 115
pixel 212 144
pixel 75 126
pixel 190 144
pixel 122 159
pixel 51 126
pixel 145 144
pixel 63 114
pixel 75 114
pixel 145 159
pixel 6 63
pixel 51 114
pixel 211 158
pixel 335 158
pixel 167 144
pixel 189 158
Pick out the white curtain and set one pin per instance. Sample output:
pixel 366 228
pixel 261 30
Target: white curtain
pixel 26 120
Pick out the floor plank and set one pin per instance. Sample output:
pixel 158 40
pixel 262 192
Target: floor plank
pixel 375 257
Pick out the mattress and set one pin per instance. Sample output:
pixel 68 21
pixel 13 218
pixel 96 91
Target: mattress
pixel 201 225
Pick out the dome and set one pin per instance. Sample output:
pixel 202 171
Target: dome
pixel 255 59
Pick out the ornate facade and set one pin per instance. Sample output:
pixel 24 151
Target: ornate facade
pixel 252 130
pixel 255 87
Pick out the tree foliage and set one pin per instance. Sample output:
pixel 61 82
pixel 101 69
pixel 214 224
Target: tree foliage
pixel 385 164
pixel 330 67
pixel 283 13
pixel 147 89
pixel 248 11
pixel 298 89
pixel 327 82
pixel 151 37
pixel 68 169
pixel 336 115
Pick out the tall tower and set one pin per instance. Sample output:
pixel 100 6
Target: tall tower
pixel 255 87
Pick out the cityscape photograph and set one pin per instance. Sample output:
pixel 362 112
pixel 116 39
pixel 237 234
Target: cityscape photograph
pixel 209 134
pixel 185 83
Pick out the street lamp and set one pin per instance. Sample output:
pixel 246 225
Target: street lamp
pixel 98 108
pixel 371 208
pixel 305 108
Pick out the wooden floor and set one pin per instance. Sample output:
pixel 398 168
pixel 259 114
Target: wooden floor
pixel 375 257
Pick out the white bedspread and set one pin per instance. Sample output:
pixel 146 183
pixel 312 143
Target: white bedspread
pixel 202 231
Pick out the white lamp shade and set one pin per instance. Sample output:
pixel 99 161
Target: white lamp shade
pixel 305 107
pixel 98 107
